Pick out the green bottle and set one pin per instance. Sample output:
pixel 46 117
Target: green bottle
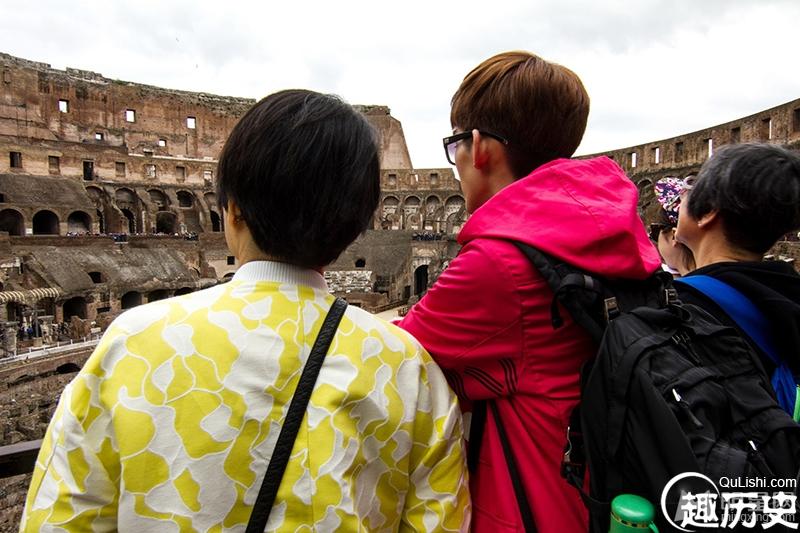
pixel 631 514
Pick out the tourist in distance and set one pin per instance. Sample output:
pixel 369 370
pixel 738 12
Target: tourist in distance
pixel 677 257
pixel 172 421
pixel 745 198
pixel 487 320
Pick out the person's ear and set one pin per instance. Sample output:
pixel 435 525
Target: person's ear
pixel 707 219
pixel 232 214
pixel 480 153
pixel 673 239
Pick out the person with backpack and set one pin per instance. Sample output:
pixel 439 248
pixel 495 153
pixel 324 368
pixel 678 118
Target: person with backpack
pixel 746 197
pixel 204 412
pixel 488 321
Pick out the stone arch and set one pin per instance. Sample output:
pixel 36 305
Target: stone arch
pixel 185 199
pixel 75 307
pixel 433 213
pixel 68 368
pixel 644 185
pixel 411 213
pixel 128 215
pixel 211 199
pixel 166 222
pixel 454 211
pixel 413 221
pixel 390 205
pixel 216 221
pixel 12 221
pixel 45 223
pixel 131 299
pixel 158 294
pixel 79 222
pixel 95 194
pixel 125 196
pixel 98 197
pixel 432 203
pixel 646 195
pixel 159 199
pixel 420 279
pixel 390 213
pixel 412 202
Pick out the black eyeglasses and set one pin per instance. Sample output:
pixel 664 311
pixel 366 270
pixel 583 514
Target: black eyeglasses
pixel 450 142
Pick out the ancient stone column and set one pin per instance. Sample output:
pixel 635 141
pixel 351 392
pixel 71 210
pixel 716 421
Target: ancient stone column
pixel 8 345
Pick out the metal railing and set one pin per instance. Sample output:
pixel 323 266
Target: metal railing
pixel 51 349
pixel 19 458
pixel 386 307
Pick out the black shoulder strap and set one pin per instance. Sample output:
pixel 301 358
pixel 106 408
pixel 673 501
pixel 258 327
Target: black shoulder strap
pixel 291 425
pixel 476 425
pixel 516 480
pixel 564 279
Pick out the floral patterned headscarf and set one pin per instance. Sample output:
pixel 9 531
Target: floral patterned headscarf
pixel 668 193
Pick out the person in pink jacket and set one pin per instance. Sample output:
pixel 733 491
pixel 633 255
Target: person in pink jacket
pixel 487 320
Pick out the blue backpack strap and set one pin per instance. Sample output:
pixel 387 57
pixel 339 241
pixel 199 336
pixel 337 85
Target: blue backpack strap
pixel 755 325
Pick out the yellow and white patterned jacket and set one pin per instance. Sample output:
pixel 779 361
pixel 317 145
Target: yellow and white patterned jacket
pixel 171 422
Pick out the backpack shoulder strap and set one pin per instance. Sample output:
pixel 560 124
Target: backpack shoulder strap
pixel 516 479
pixel 564 279
pixel 756 326
pixel 737 306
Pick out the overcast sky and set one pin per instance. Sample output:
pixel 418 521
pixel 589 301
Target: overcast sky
pixel 653 68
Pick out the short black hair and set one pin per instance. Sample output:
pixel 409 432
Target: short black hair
pixel 303 169
pixel 755 189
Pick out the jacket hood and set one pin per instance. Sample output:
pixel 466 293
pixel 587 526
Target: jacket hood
pixel 581 211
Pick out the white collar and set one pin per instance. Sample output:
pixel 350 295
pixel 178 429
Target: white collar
pixel 280 273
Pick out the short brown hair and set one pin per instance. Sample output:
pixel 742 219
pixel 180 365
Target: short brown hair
pixel 540 107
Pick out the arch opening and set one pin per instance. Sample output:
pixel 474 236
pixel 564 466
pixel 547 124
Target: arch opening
pixel 166 223
pixel 75 307
pixel 185 199
pixel 420 279
pixel 79 222
pixel 131 299
pixel 131 220
pixel 45 223
pixel 12 222
pixel 216 222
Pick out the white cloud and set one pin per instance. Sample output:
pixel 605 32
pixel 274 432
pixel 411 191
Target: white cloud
pixel 654 68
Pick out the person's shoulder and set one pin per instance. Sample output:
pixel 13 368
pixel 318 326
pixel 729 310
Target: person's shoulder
pixel 395 338
pixel 138 318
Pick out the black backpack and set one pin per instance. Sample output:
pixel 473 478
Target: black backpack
pixel 670 391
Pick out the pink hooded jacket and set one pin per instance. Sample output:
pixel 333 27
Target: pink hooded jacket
pixel 487 322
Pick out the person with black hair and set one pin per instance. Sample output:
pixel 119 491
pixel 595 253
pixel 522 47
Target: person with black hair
pixel 172 422
pixel 745 198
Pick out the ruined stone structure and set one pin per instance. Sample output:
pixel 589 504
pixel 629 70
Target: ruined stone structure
pixel 683 155
pixel 107 197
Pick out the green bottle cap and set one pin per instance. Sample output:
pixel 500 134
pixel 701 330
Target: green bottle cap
pixel 633 510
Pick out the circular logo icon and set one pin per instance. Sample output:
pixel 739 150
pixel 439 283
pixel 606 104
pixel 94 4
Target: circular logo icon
pixel 690 499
